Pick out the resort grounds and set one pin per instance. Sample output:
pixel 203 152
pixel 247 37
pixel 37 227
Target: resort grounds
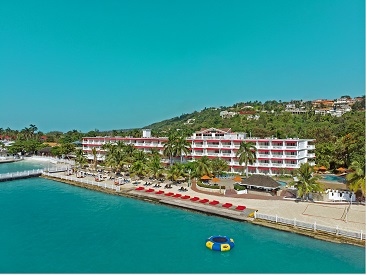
pixel 326 214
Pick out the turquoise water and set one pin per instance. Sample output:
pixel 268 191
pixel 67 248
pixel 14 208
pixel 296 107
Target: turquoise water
pixel 283 183
pixel 51 227
pixel 334 178
pixel 23 165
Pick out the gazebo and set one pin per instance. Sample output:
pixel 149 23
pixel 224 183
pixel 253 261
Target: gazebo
pixel 261 183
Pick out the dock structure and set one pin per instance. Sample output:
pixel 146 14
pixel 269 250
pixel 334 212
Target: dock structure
pixel 27 174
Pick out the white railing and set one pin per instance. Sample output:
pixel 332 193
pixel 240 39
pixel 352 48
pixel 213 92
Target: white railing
pixel 312 226
pixel 90 182
pixel 278 164
pixel 20 174
pixel 290 156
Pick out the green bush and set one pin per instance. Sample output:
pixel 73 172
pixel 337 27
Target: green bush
pixel 201 184
pixel 239 187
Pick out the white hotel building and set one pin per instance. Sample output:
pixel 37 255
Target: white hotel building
pixel 274 156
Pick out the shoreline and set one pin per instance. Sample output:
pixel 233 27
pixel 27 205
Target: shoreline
pixel 212 211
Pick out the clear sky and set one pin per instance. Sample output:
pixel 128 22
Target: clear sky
pixel 119 64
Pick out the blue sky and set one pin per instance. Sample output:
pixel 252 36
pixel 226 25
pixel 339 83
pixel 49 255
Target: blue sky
pixel 113 64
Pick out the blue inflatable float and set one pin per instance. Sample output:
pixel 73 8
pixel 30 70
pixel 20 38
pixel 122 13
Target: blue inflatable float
pixel 220 243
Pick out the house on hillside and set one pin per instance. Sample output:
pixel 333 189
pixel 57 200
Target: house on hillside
pixel 226 114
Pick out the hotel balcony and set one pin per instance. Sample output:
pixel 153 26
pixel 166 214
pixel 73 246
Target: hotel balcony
pixel 278 147
pixel 292 165
pixel 264 147
pixel 291 156
pixel 311 155
pixel 278 165
pixel 310 147
pixel 292 147
pixel 264 156
pixel 278 156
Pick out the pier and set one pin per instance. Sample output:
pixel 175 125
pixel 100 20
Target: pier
pixel 28 174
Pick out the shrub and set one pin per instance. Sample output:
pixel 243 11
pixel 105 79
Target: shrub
pixel 201 184
pixel 238 187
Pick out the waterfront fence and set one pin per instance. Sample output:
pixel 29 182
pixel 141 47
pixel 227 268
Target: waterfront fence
pixel 29 173
pixel 312 226
pixel 90 182
pixel 21 174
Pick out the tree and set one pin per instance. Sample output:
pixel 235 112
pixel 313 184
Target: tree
pixel 356 179
pixel 80 158
pixel 181 146
pixel 169 147
pixel 306 182
pixel 94 152
pixel 203 167
pixel 155 168
pixel 246 154
pixel 139 168
pixel 218 166
pixel 175 171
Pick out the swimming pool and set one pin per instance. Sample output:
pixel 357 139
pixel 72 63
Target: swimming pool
pixel 283 183
pixel 334 178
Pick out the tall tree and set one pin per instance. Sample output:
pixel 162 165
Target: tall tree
pixel 80 158
pixel 169 147
pixel 306 182
pixel 203 167
pixel 181 147
pixel 356 179
pixel 94 152
pixel 218 166
pixel 246 154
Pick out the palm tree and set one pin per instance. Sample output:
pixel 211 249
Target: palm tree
pixel 181 146
pixel 140 155
pixel 246 154
pixel 94 152
pixel 139 168
pixel 218 166
pixel 203 167
pixel 80 158
pixel 155 168
pixel 356 179
pixel 169 149
pixel 306 182
pixel 175 171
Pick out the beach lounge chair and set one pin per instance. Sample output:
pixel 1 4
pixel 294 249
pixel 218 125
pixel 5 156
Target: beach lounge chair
pixel 150 190
pixel 169 194
pixel 214 202
pixel 140 188
pixel 177 195
pixel 185 197
pixel 227 205
pixel 159 192
pixel 204 201
pixel 195 199
pixel 240 207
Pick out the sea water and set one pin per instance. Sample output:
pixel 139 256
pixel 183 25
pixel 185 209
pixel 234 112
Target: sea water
pixel 23 165
pixel 52 227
